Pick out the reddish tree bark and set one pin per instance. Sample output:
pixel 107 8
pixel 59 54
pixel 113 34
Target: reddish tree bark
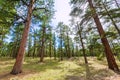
pixel 109 55
pixel 17 68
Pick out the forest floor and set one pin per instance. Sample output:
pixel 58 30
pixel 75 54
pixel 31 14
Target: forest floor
pixel 72 69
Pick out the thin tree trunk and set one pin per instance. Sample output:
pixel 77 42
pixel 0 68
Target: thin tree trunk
pixel 113 22
pixel 73 50
pixel 83 48
pixel 66 51
pixel 90 51
pixel 61 51
pixel 113 47
pixel 77 52
pixel 69 53
pixel 54 47
pixel 54 53
pixel 117 3
pixel 109 55
pixel 61 42
pixel 17 68
pixel 34 47
pixel 42 50
pixel 50 46
pixel 29 46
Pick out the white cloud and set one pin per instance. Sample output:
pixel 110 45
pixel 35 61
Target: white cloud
pixel 63 9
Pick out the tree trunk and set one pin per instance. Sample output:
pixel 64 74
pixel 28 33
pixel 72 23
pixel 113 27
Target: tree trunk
pixel 117 3
pixel 113 47
pixel 50 46
pixel 91 51
pixel 61 42
pixel 17 68
pixel 113 22
pixel 61 51
pixel 77 52
pixel 109 55
pixel 73 51
pixel 34 50
pixel 42 50
pixel 54 47
pixel 83 48
pixel 54 53
pixel 29 46
pixel 69 53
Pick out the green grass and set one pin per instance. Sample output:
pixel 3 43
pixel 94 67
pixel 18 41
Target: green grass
pixel 50 69
pixel 6 64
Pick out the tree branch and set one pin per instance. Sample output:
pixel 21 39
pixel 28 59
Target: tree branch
pixel 42 8
pixel 24 3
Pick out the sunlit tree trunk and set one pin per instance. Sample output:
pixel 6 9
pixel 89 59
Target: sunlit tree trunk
pixel 109 55
pixel 17 68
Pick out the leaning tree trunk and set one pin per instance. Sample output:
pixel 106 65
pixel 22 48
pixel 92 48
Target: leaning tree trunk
pixel 113 22
pixel 83 48
pixel 109 55
pixel 17 68
pixel 117 3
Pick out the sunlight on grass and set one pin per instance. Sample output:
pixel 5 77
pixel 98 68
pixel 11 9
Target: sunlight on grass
pixel 52 70
pixel 6 64
pixel 56 70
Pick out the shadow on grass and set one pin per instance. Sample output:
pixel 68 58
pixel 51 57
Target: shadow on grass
pixel 36 66
pixel 4 75
pixel 30 66
pixel 89 73
pixel 83 72
pixel 6 64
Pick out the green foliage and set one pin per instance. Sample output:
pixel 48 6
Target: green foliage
pixel 100 57
pixel 7 12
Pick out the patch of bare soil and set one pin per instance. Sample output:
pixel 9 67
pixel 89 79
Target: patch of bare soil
pixel 96 77
pixel 8 76
pixel 114 77
pixel 100 72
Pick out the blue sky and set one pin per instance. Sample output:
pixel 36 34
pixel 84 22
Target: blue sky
pixel 63 9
